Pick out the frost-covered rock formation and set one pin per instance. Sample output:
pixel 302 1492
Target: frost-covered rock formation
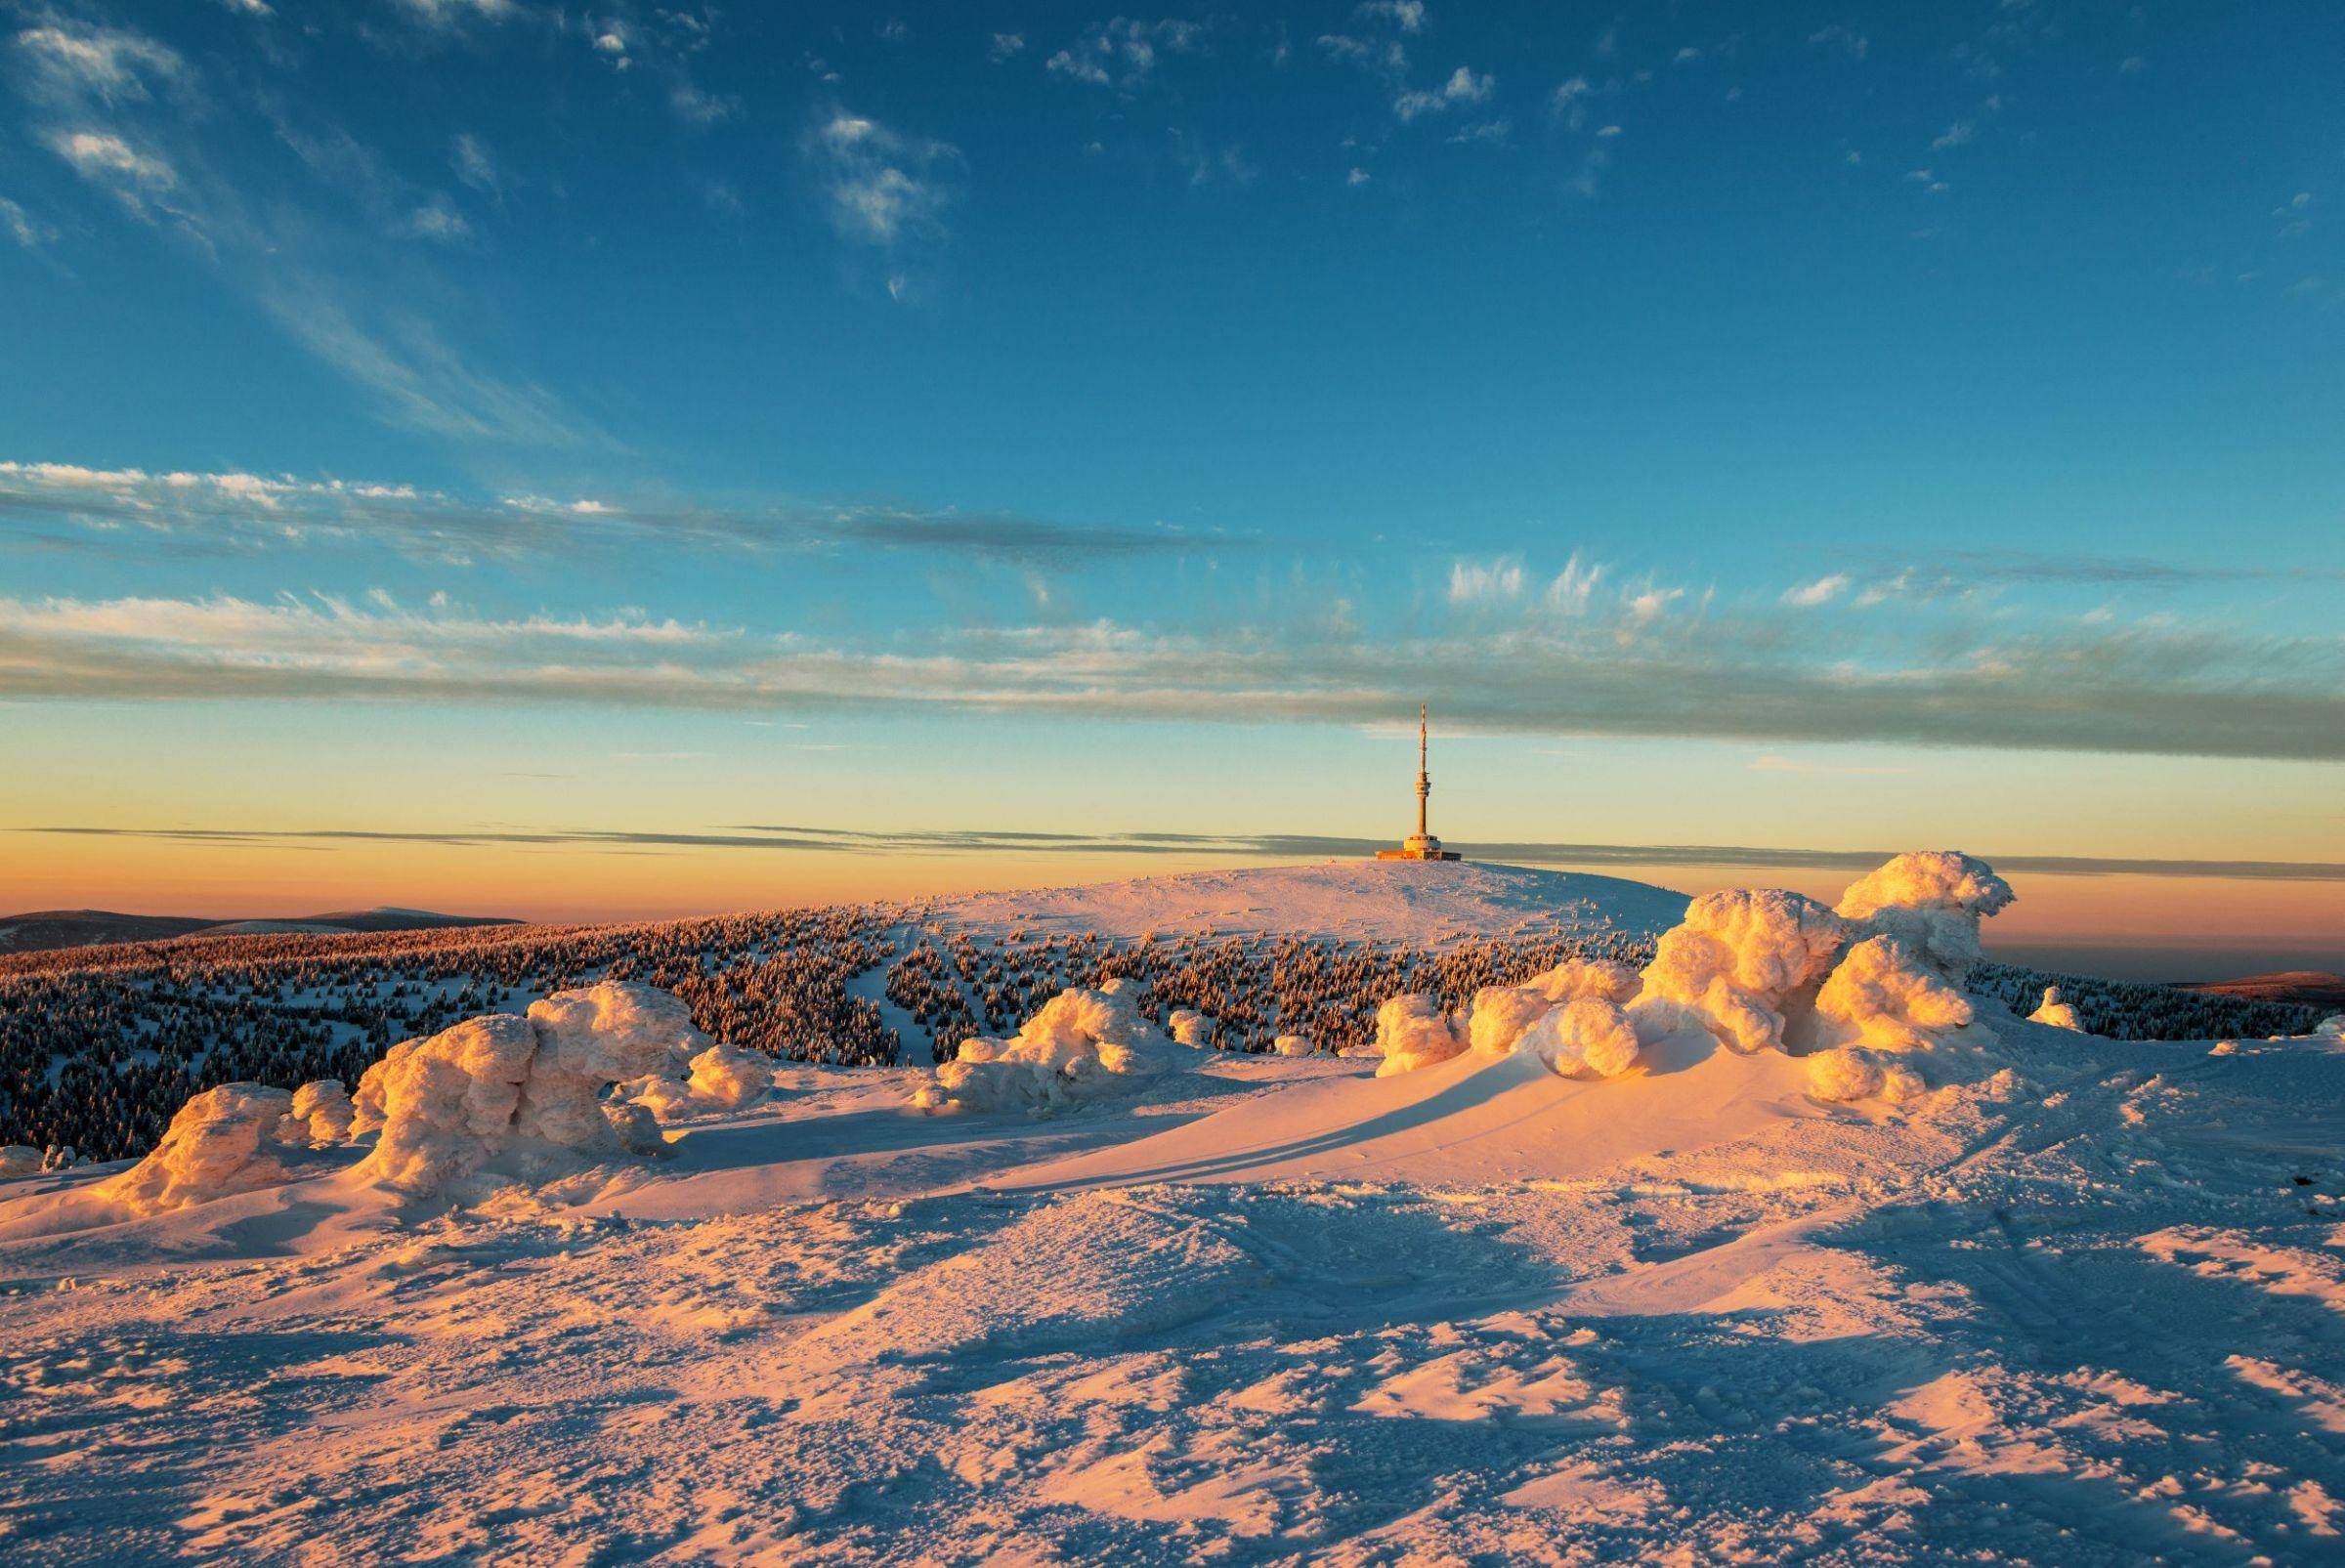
pixel 1932 900
pixel 225 1140
pixel 1760 969
pixel 2057 1013
pixel 1500 1014
pixel 1743 958
pixel 324 1109
pixel 1413 1032
pixel 448 1105
pixel 1588 1037
pixel 1082 1045
pixel 722 1078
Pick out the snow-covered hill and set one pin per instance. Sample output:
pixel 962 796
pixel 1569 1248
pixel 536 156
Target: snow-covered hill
pixel 1419 902
pixel 1100 1296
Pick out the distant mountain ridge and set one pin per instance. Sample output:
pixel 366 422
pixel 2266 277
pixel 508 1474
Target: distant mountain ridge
pixel 2312 988
pixel 40 930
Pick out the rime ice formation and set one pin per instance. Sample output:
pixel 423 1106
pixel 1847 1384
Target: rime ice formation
pixel 1757 970
pixel 225 1140
pixel 588 1039
pixel 451 1104
pixel 722 1078
pixel 1740 961
pixel 1189 1027
pixel 2056 1012
pixel 728 1078
pixel 1932 900
pixel 1881 997
pixel 1292 1046
pixel 1586 1037
pixel 325 1107
pixel 1413 1032
pixel 1500 1014
pixel 1082 1045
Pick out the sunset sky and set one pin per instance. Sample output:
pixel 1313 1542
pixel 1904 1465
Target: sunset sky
pixel 582 461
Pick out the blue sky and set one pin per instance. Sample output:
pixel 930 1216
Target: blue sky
pixel 1922 412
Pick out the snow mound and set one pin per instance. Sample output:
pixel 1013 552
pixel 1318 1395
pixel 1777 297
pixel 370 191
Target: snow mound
pixel 1932 900
pixel 1469 1120
pixel 1757 969
pixel 2056 1012
pixel 1081 1046
pixel 225 1140
pixel 1588 1037
pixel 1418 901
pixel 452 1104
pixel 1413 1032
pixel 1740 958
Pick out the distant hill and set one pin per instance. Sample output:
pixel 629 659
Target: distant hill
pixel 2311 988
pixel 88 928
pixel 43 929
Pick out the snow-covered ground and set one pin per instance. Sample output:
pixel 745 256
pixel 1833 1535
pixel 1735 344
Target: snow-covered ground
pixel 2088 1307
pixel 1423 902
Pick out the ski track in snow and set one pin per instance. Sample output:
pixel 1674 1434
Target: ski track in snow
pixel 1466 1314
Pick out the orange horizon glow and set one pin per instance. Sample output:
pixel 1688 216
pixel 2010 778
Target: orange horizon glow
pixel 581 884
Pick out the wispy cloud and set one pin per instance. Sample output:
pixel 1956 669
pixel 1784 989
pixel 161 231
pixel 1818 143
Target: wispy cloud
pixel 63 502
pixel 1124 53
pixel 886 191
pixel 1651 661
pixel 1464 86
pixel 137 122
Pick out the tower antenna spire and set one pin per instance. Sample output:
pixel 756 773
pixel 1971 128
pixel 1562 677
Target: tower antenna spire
pixel 1425 780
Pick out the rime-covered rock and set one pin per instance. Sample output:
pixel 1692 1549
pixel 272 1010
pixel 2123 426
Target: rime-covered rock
pixel 1412 1032
pixel 229 1139
pixel 1083 1044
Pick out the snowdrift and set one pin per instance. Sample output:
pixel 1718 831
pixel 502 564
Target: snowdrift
pixel 1469 1120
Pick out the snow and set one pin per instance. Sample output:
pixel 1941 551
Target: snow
pixel 2077 1301
pixel 2056 1012
pixel 324 1109
pixel 502 1085
pixel 1083 1044
pixel 223 1141
pixel 1422 901
pixel 1412 1032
